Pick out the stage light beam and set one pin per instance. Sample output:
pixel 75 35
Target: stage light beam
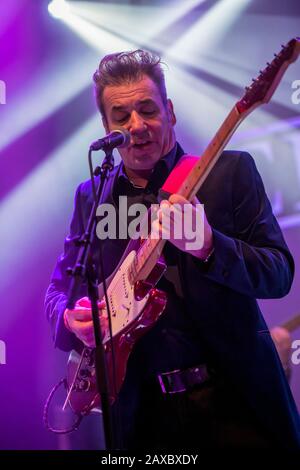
pixel 58 8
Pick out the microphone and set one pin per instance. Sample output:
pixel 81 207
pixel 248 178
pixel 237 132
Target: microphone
pixel 117 138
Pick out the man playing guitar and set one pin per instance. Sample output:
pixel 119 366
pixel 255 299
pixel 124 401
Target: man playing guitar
pixel 206 375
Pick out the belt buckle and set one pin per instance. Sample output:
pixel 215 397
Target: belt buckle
pixel 165 382
pixel 178 381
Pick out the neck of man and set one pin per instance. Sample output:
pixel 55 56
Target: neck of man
pixel 141 177
pixel 138 177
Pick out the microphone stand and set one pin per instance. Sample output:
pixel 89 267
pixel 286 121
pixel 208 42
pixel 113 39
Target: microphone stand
pixel 85 270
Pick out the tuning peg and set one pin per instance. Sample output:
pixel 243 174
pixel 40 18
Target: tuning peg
pixel 268 63
pixel 282 45
pixel 275 55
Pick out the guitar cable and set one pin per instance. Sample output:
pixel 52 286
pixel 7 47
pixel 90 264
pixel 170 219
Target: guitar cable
pixel 47 425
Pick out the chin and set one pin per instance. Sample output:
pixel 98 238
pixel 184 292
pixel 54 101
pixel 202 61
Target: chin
pixel 140 166
pixel 143 162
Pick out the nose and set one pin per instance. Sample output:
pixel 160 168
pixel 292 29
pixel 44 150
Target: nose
pixel 137 123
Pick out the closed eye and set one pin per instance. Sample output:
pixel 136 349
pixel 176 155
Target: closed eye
pixel 148 113
pixel 122 119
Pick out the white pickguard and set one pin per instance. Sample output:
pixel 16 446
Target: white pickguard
pixel 124 308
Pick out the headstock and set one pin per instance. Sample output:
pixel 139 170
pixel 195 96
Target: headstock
pixel 263 87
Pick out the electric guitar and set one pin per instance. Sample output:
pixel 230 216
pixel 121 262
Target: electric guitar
pixel 135 304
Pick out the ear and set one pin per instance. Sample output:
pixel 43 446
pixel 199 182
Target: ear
pixel 105 125
pixel 171 113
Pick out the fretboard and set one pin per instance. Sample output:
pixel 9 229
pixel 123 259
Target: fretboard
pixel 260 91
pixel 151 249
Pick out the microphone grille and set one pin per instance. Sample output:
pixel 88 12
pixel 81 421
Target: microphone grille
pixel 126 137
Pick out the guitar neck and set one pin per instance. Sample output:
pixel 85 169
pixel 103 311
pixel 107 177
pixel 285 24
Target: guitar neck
pixel 209 158
pixel 292 324
pixel 151 249
pixel 260 91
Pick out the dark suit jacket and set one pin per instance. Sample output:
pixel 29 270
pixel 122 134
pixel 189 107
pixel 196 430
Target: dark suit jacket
pixel 251 260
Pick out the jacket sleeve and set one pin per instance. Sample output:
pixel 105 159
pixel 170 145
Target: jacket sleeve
pixel 56 295
pixel 256 260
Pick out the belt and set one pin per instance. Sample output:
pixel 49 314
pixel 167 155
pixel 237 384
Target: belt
pixel 178 381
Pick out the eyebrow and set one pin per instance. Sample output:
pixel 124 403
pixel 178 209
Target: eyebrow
pixel 140 102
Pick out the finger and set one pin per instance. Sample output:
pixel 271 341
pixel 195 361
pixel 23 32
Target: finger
pixel 178 199
pixel 155 230
pixel 104 322
pixel 160 231
pixel 79 314
pixel 164 206
pixel 167 214
pixel 86 332
pixel 164 202
pixel 101 304
pixel 84 302
pixel 84 315
pixel 156 227
pixel 172 211
pixel 80 327
pixel 173 219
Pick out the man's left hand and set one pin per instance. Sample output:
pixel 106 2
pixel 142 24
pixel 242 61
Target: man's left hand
pixel 185 225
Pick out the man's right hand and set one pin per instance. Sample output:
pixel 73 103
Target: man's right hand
pixel 79 320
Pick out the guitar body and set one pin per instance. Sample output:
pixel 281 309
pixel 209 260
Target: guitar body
pixel 134 309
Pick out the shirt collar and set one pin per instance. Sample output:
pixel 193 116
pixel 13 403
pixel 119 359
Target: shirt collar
pixel 162 168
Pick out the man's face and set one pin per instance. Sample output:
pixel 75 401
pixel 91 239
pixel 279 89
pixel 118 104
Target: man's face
pixel 138 107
